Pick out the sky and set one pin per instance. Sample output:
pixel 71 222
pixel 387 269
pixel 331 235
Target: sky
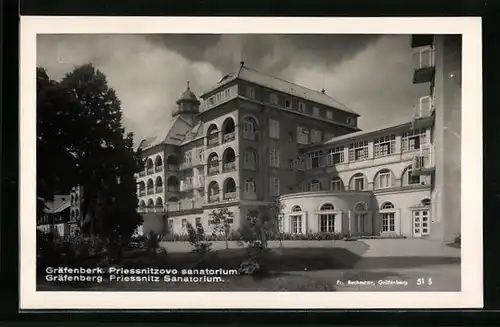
pixel 371 74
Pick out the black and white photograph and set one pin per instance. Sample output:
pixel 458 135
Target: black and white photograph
pixel 251 164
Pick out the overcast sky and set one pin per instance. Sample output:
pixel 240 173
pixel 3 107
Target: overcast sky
pixel 370 74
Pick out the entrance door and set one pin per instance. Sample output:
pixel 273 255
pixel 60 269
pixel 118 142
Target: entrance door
pixel 421 223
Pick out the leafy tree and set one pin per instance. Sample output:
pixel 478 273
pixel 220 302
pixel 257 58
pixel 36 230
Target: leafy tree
pixel 222 219
pixel 276 212
pixel 197 238
pixel 82 142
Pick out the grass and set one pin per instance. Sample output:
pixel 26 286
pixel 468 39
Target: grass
pixel 280 262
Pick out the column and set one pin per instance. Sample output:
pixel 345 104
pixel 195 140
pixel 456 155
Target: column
pixel 349 216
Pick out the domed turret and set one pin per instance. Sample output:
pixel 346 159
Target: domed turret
pixel 187 105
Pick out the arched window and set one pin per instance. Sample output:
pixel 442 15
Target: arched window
pixel 159 202
pixel 149 166
pixel 327 206
pixel 358 182
pixel 408 178
pixel 229 160
pixel 250 187
pixel 336 184
pixel 172 184
pixel 360 206
pixel 250 159
pixel 142 204
pixel 315 186
pixel 229 189
pixel 212 135
pixel 151 203
pixel 387 206
pixel 296 208
pixel 150 186
pixel 72 214
pixel 228 129
pixel 384 179
pixel 426 202
pixel 159 184
pixel 213 192
pixel 249 128
pixel 158 164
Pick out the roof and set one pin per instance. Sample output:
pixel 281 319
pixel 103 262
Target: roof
pixel 256 77
pixel 173 134
pixel 402 125
pixel 188 95
pixel 65 205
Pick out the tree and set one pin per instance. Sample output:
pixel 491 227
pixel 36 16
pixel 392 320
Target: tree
pixel 83 142
pixel 276 212
pixel 222 219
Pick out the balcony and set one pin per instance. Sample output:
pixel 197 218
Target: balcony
pixel 213 198
pixel 213 170
pixel 229 137
pixel 213 141
pixel 250 196
pixel 199 182
pixel 159 189
pixel 249 135
pixel 423 108
pixel 142 173
pixel 421 40
pixel 186 187
pixel 158 169
pixel 150 190
pixel 229 196
pixel 229 166
pixel 142 192
pixel 173 168
pixel 172 189
pixel 150 171
pixel 150 209
pixel 186 165
pixel 423 66
pixel 423 163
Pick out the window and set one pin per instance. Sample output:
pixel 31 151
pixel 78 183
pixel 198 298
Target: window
pixel 410 178
pixel 315 186
pixel 335 156
pixel 274 158
pixel 273 98
pixel 250 187
pixel 184 223
pixel 198 221
pixel 187 157
pixel 249 129
pixel 302 135
pixel 315 136
pixel 315 111
pixel 388 218
pixel 219 97
pixel 387 205
pixel 302 107
pixel 329 114
pixel 329 136
pixel 288 104
pixel 349 121
pixel 327 223
pixel 314 160
pixel 358 182
pixel 425 105
pixel 250 92
pixel 274 129
pixel 384 146
pixel 426 202
pixel 290 164
pixel 201 156
pixel 250 158
pixel 274 186
pixel 358 151
pixel 296 224
pixel 296 209
pixel 384 179
pixel 413 139
pixel 336 184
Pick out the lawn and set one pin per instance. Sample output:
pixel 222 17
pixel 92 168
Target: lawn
pixel 280 262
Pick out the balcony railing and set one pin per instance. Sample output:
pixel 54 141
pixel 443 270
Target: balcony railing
pixel 158 168
pixel 229 196
pixel 186 187
pixel 229 137
pixel 173 189
pixel 213 141
pixel 213 170
pixel 150 190
pixel 230 166
pixel 423 65
pixel 172 167
pixel 249 135
pixel 186 165
pixel 151 209
pixel 250 196
pixel 159 189
pixel 142 192
pixel 213 198
pixel 142 173
pixel 150 171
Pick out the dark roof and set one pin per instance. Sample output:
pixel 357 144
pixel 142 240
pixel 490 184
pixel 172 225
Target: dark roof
pixel 256 77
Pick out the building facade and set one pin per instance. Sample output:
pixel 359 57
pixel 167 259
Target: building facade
pixel 253 138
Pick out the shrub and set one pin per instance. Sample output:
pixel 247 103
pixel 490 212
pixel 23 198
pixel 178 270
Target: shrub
pixel 197 238
pixel 153 242
pixel 458 239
